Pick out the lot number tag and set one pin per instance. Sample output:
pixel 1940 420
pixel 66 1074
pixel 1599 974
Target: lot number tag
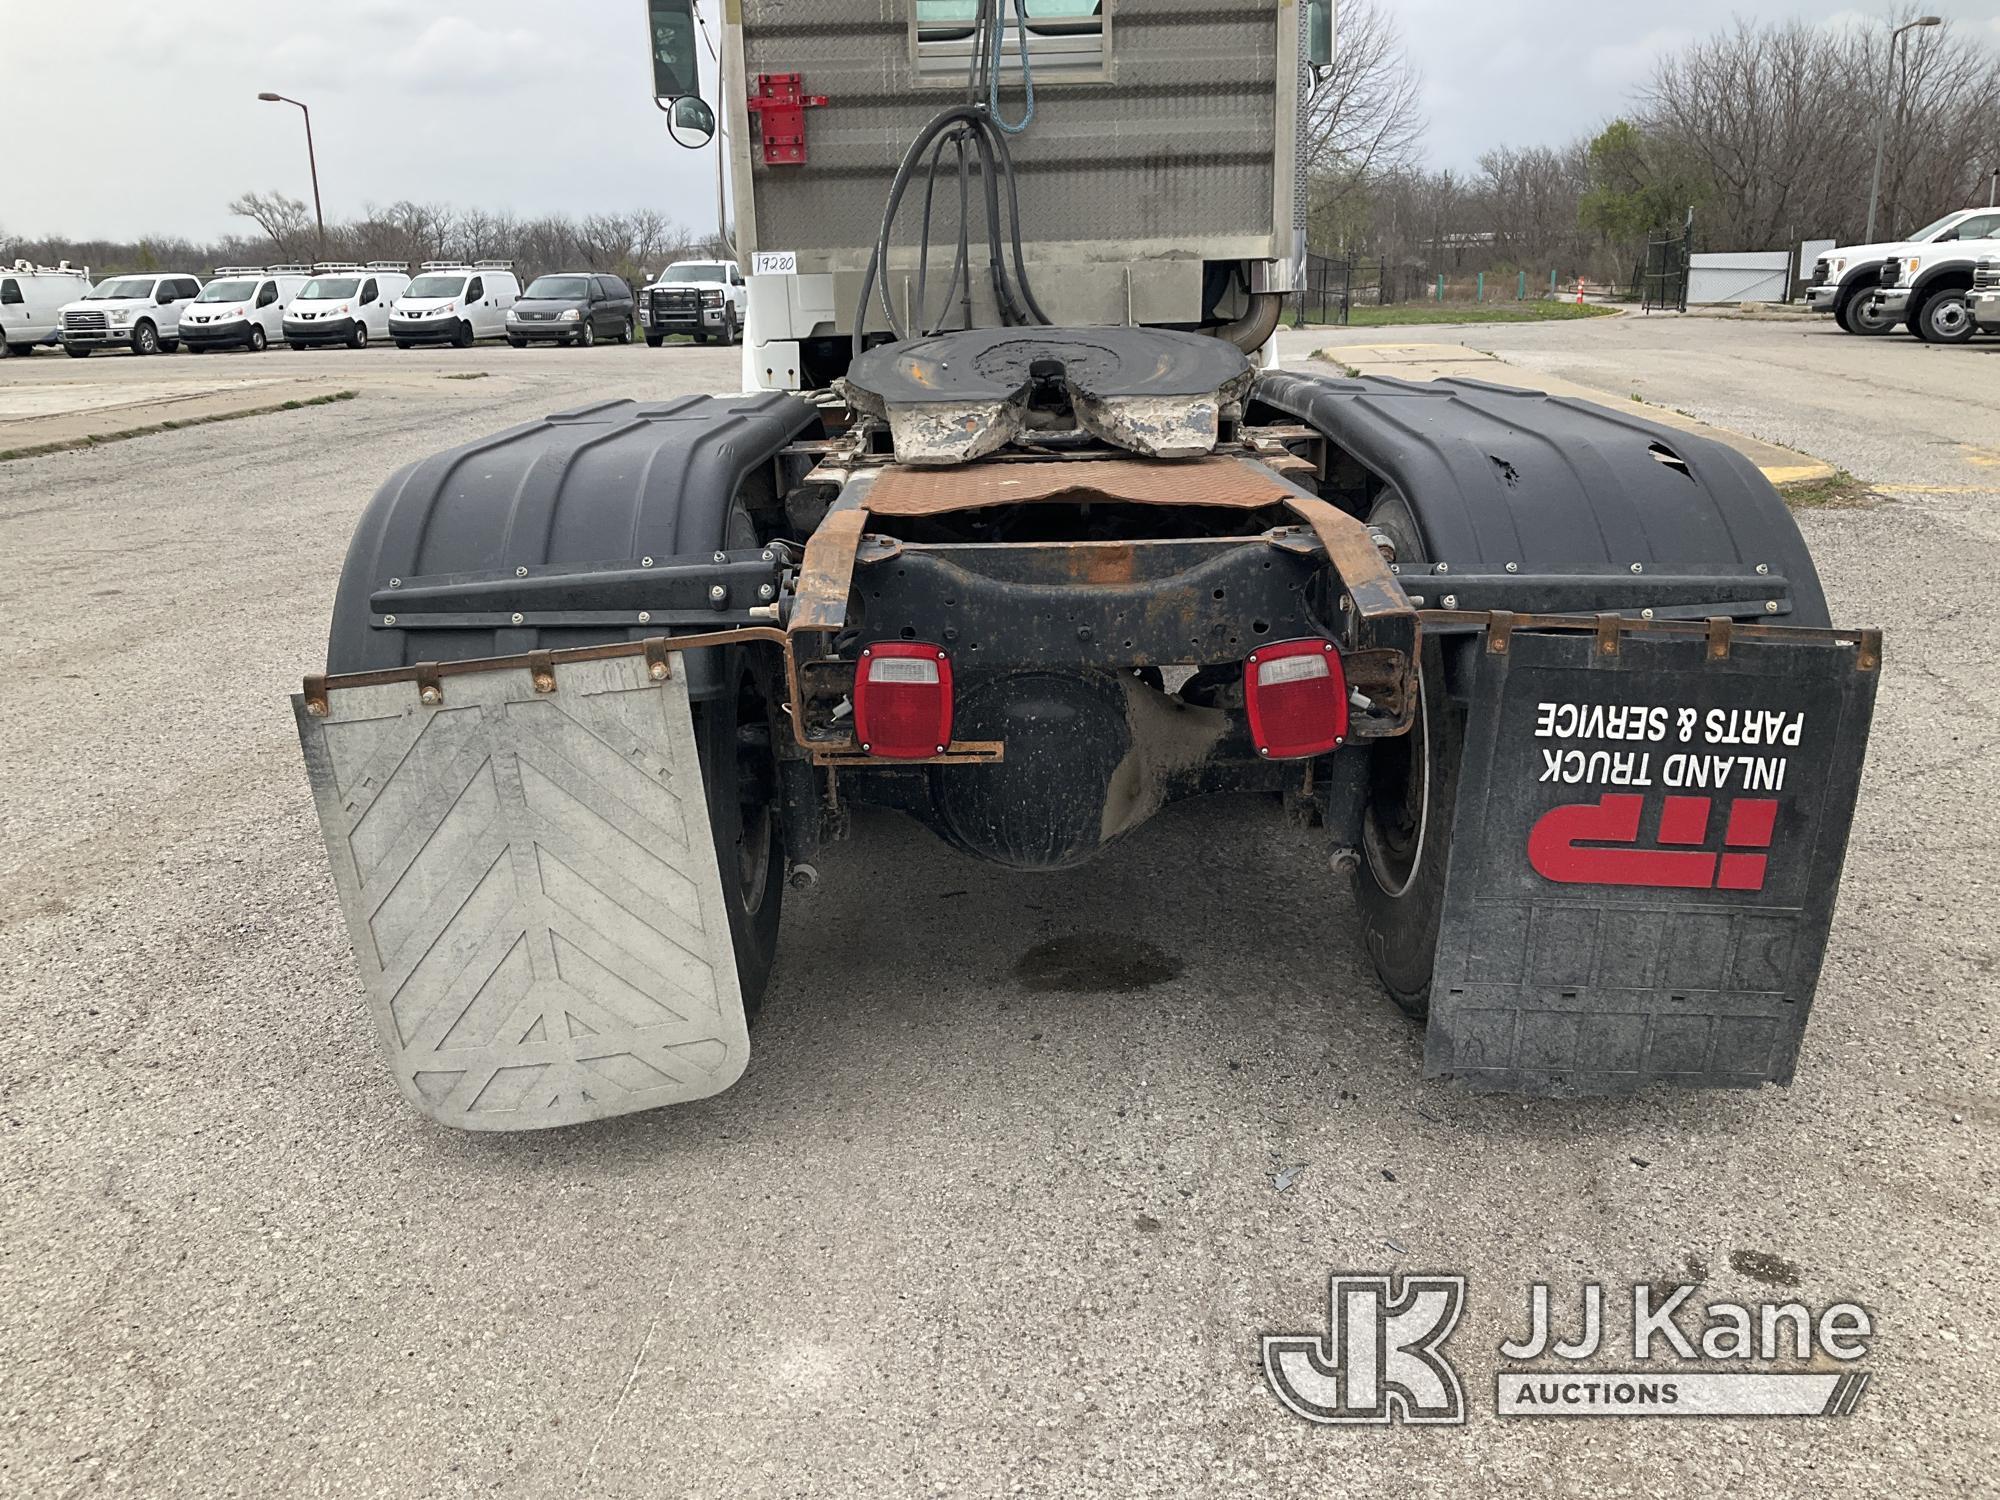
pixel 774 263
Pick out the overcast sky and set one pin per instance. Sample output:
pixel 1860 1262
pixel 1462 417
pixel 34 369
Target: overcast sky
pixel 537 107
pixel 1519 73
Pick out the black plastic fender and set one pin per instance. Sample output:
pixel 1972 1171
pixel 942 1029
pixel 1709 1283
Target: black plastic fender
pixel 1951 276
pixel 1496 475
pixel 1861 279
pixel 612 482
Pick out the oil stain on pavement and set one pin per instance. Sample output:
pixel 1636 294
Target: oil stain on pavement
pixel 1094 962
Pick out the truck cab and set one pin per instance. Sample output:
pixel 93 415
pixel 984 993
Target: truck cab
pixel 140 313
pixel 696 297
pixel 1116 213
pixel 1845 278
pixel 1927 287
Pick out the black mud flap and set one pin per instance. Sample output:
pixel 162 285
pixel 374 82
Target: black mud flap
pixel 1646 849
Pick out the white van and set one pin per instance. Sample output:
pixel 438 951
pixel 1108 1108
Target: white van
pixel 454 303
pixel 141 313
pixel 345 303
pixel 242 308
pixel 31 300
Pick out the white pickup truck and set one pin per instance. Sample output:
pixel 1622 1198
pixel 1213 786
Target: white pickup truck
pixel 141 313
pixel 1929 287
pixel 1845 279
pixel 698 297
pixel 1984 299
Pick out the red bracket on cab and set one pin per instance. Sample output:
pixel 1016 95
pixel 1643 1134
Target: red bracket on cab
pixel 781 116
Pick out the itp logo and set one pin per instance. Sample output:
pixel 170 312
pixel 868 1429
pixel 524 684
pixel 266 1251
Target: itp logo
pixel 1579 844
pixel 1380 1359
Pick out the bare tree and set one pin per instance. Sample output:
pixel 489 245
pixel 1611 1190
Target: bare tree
pixel 1529 200
pixel 1944 124
pixel 286 222
pixel 652 233
pixel 1363 120
pixel 1778 123
pixel 606 240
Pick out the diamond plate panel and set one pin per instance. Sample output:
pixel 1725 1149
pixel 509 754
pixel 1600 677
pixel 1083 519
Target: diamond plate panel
pixel 1174 155
pixel 531 891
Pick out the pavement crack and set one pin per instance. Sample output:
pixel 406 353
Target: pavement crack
pixel 631 1379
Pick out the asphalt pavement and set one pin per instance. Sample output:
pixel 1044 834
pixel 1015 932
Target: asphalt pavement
pixel 997 1208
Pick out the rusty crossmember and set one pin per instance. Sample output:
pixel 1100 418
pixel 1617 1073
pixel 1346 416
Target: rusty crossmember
pixel 1383 617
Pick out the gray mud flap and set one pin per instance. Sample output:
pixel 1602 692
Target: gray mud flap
pixel 524 861
pixel 1647 847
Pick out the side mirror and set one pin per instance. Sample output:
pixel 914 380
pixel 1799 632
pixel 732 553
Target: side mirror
pixel 677 72
pixel 693 118
pixel 1319 33
pixel 165 298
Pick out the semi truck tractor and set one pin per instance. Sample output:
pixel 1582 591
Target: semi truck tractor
pixel 1017 527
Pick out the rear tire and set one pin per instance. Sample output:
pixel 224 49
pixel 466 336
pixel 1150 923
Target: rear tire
pixel 403 343
pixel 75 353
pixel 701 335
pixel 517 343
pixel 197 349
pixel 654 340
pixel 735 736
pixel 1945 319
pixel 1406 832
pixel 730 333
pixel 16 351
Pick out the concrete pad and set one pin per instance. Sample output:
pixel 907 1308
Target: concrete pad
pixel 57 414
pixel 62 398
pixel 1780 465
pixel 957 1231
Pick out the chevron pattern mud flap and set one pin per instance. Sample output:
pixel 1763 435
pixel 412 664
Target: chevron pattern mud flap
pixel 1647 847
pixel 524 861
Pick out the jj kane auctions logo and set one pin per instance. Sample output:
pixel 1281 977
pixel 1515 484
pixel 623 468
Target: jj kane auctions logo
pixel 1382 1357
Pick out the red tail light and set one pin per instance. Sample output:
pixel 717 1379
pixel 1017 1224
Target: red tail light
pixel 1296 692
pixel 902 700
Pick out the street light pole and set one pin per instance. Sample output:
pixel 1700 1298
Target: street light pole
pixel 1882 116
pixel 312 161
